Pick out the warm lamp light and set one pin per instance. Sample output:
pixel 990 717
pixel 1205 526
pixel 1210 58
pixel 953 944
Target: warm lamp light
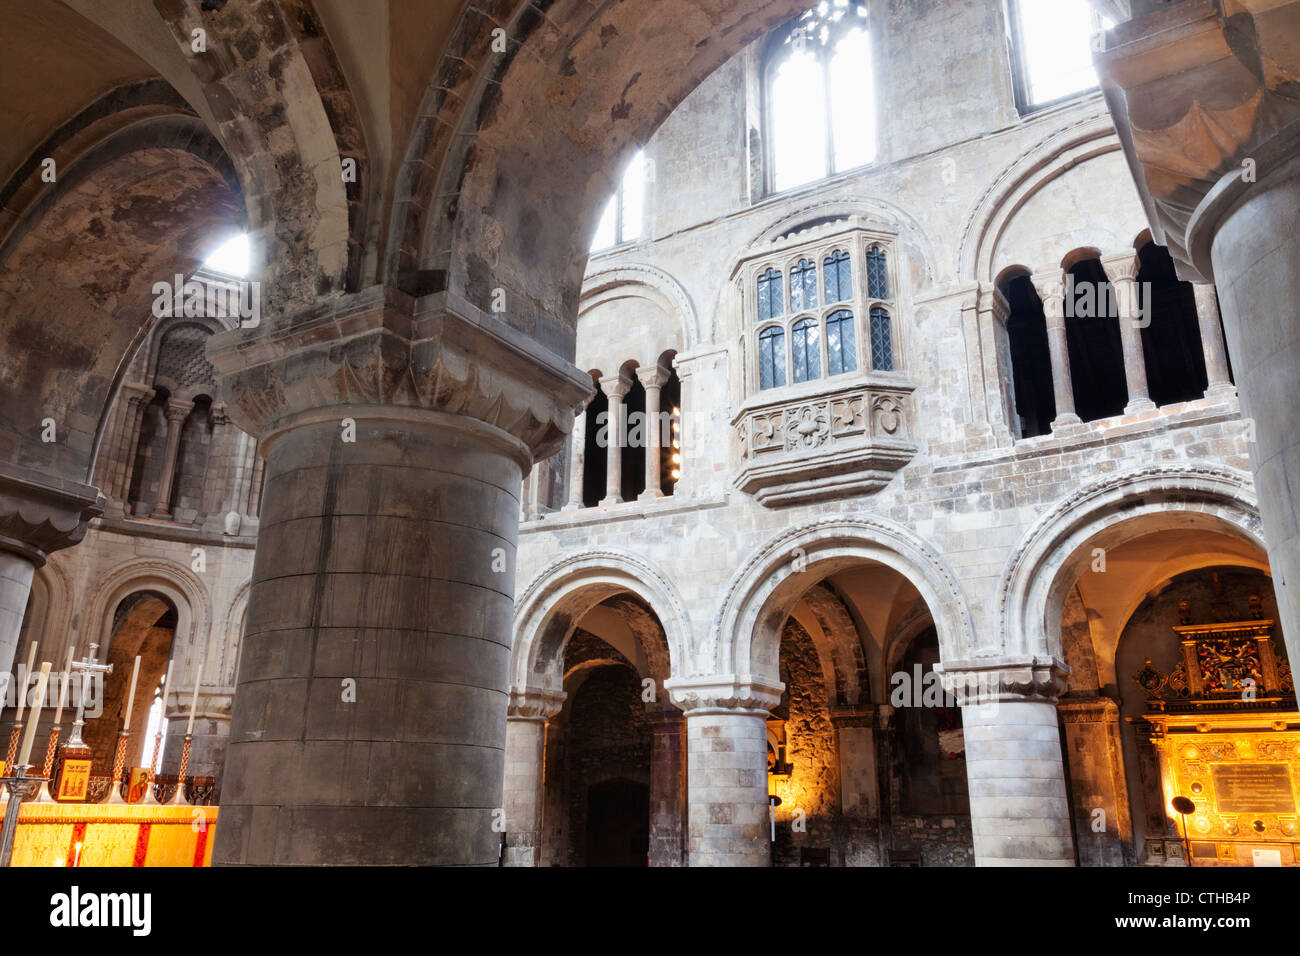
pixel 1183 806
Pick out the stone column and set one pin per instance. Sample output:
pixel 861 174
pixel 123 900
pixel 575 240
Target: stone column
pixel 667 787
pixel 137 398
pixel 369 722
pixel 726 754
pixel 653 379
pixel 176 413
pixel 1212 347
pixel 1052 293
pixel 577 461
pixel 525 777
pixel 39 514
pixel 1228 209
pixel 1102 823
pixel 616 389
pixel 859 783
pixel 1020 815
pixel 1122 271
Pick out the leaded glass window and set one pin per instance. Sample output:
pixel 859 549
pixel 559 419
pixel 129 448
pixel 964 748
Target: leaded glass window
pixel 877 274
pixel 769 295
pixel 803 286
pixel 841 349
pixel 839 277
pixel 805 350
pixel 882 341
pixel 771 357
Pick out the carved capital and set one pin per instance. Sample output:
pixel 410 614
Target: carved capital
pixel 654 376
pixel 1202 93
pixel 1121 268
pixel 615 387
pixel 381 348
pixel 860 715
pixel 177 412
pixel 724 693
pixel 40 514
pixel 1034 679
pixel 535 704
pixel 1051 290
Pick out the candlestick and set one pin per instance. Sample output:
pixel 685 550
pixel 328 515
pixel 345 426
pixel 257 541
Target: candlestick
pixel 23 678
pixel 194 701
pixel 178 798
pixel 63 691
pixel 130 697
pixel 36 713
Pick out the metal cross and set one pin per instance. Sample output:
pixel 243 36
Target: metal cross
pixel 88 666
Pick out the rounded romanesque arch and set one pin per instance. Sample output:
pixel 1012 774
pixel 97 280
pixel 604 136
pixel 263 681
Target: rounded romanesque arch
pixel 645 282
pixel 1035 582
pixel 549 610
pixel 746 633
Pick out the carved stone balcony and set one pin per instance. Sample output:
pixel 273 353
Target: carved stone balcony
pixel 829 443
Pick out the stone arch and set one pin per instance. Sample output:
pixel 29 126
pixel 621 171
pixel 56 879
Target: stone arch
pixel 1033 586
pixel 746 632
pixel 647 282
pixel 839 648
pixel 549 610
pixel 1055 155
pixel 581 86
pixel 232 635
pixel 179 585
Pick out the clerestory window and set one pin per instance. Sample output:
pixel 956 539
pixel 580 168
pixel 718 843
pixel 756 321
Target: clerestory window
pixel 624 217
pixel 1052 45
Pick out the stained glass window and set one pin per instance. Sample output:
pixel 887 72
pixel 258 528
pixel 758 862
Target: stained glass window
pixel 882 341
pixel 769 295
pixel 771 357
pixel 877 274
pixel 805 349
pixel 841 349
pixel 839 277
pixel 803 286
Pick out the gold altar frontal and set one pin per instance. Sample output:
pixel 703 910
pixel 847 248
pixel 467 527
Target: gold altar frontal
pixel 93 834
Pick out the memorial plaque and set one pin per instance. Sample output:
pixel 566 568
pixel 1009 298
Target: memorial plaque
pixel 1253 788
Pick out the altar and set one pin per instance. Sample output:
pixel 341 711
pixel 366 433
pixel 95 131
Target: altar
pixel 93 834
pixel 1226 728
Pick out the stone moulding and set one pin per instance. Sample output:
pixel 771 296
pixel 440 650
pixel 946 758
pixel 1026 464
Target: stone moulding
pixel 40 513
pixel 847 442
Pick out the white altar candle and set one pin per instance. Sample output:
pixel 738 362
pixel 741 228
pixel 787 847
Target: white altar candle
pixel 194 701
pixel 23 678
pixel 130 697
pixel 63 688
pixel 30 735
pixel 167 686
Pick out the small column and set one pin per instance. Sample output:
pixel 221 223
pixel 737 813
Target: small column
pixel 616 389
pixel 221 468
pixel 137 398
pixel 994 313
pixel 1212 346
pixel 1052 293
pixel 726 754
pixel 667 786
pixel 1122 272
pixel 1020 815
pixel 859 785
pixel 577 461
pixel 653 379
pixel 524 787
pixel 176 412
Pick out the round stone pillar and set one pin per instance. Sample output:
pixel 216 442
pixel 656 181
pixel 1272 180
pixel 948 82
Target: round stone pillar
pixel 369 723
pixel 1252 232
pixel 1020 815
pixel 726 777
pixel 526 729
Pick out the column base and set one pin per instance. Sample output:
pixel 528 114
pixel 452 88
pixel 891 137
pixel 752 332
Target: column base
pixel 1070 420
pixel 606 502
pixel 1221 390
pixel 1140 406
pixel 649 495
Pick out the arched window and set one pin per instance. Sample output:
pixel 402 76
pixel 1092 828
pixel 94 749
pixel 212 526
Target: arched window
pixel 230 258
pixel 624 217
pixel 771 357
pixel 820 99
pixel 839 277
pixel 805 350
pixel 1031 359
pixel 877 274
pixel 1171 340
pixel 882 341
pixel 803 286
pixel 1052 49
pixel 1092 336
pixel 769 295
pixel 841 349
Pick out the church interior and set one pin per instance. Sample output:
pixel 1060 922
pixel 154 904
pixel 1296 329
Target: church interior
pixel 650 433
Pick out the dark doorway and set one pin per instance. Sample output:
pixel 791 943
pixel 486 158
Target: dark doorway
pixel 618 824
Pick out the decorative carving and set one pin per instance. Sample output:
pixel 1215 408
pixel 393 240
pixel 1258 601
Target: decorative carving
pixel 697 695
pixel 1017 679
pixel 39 515
pixel 847 441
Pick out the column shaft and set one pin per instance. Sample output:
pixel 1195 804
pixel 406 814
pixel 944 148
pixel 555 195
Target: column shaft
pixel 1212 347
pixel 370 715
pixel 16 574
pixel 667 788
pixel 577 461
pixel 1123 279
pixel 1053 296
pixel 524 782
pixel 176 415
pixel 727 788
pixel 616 389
